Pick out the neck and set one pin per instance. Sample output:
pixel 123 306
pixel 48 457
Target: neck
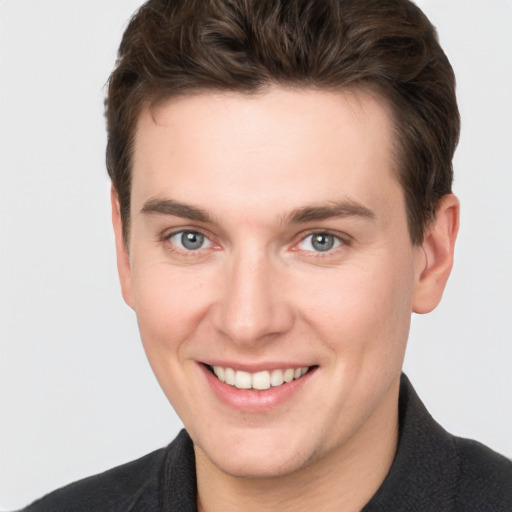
pixel 343 480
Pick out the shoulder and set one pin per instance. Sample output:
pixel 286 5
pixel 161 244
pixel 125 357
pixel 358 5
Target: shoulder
pixel 484 478
pixel 436 471
pixel 118 489
pixel 162 480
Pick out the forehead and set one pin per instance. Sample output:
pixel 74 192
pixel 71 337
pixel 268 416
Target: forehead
pixel 282 144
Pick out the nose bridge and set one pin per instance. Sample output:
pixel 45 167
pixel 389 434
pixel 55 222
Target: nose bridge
pixel 252 306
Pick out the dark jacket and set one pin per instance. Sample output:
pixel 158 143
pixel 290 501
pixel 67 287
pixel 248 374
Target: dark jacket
pixel 433 471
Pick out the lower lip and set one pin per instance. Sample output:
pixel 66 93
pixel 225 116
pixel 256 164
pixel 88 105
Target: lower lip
pixel 250 400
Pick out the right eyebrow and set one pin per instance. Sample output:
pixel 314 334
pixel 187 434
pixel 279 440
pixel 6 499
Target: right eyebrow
pixel 176 209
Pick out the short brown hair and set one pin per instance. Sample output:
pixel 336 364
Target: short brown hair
pixel 173 47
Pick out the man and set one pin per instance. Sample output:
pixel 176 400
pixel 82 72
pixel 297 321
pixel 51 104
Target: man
pixel 282 202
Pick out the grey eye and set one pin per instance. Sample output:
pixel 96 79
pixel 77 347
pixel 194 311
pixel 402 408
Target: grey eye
pixel 190 240
pixel 320 242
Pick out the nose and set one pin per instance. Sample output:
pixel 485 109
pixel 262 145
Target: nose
pixel 253 307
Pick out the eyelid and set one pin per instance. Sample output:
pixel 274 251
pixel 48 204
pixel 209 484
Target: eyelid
pixel 207 242
pixel 343 238
pixel 167 235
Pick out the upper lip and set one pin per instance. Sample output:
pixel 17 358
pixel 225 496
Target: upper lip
pixel 255 367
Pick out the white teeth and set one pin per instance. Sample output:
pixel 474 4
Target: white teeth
pixel 276 377
pixel 229 376
pixel 219 371
pixel 259 380
pixel 243 380
pixel 288 375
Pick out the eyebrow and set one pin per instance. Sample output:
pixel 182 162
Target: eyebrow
pixel 170 207
pixel 344 208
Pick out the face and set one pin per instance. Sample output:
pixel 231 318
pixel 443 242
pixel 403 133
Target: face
pixel 269 244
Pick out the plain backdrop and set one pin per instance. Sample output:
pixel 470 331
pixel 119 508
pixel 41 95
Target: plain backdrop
pixel 77 395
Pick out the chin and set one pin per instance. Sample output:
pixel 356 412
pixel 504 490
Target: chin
pixel 257 467
pixel 259 456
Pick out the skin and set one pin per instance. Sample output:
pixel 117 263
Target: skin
pixel 258 292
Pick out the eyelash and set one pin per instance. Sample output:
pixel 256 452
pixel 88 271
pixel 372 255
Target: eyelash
pixel 342 241
pixel 167 237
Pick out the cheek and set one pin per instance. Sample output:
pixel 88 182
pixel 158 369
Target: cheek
pixel 170 303
pixel 362 310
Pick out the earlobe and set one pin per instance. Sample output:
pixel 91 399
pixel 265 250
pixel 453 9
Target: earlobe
pixel 123 259
pixel 438 248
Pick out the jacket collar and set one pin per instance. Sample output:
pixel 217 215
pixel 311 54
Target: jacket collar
pixel 423 476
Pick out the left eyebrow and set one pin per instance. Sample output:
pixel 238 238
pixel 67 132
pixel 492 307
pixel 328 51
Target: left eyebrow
pixel 345 208
pixel 176 209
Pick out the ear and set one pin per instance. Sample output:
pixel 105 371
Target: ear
pixel 123 258
pixel 438 249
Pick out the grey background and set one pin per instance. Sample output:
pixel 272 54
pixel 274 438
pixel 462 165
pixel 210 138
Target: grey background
pixel 76 393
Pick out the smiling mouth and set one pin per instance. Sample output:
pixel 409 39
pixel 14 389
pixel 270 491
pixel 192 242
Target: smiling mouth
pixel 259 381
